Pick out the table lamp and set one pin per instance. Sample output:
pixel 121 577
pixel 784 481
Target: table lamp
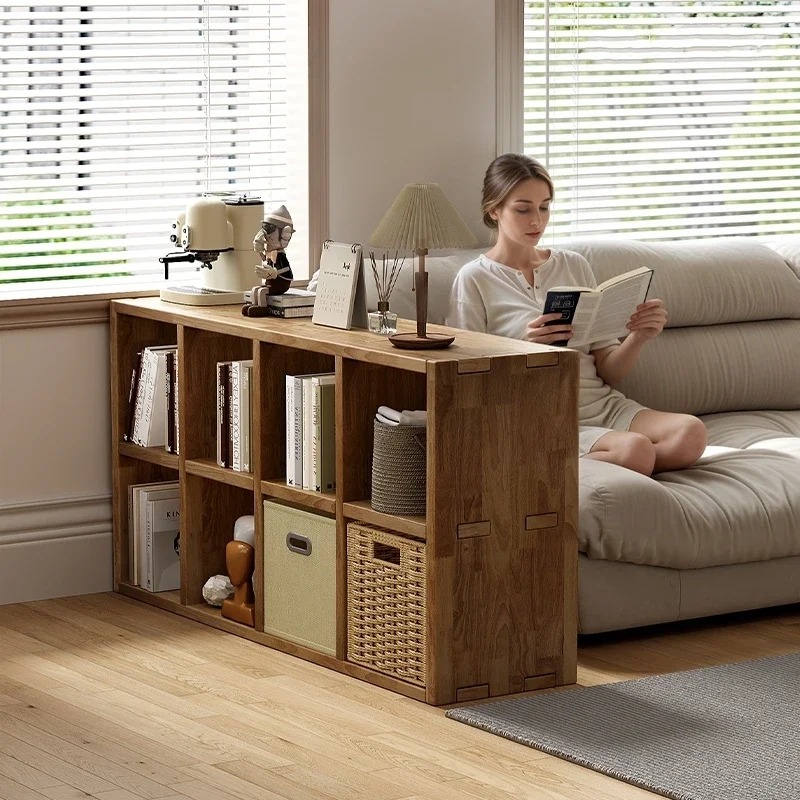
pixel 421 218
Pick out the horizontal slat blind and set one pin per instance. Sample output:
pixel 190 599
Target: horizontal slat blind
pixel 113 116
pixel 666 119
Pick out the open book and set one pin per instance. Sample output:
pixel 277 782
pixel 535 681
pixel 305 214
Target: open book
pixel 601 313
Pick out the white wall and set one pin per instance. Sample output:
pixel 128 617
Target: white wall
pixel 412 99
pixel 55 458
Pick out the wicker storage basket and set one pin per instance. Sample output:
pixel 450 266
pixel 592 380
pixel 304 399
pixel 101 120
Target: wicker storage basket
pixel 399 466
pixel 386 602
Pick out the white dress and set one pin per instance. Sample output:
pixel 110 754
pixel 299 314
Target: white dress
pixel 492 298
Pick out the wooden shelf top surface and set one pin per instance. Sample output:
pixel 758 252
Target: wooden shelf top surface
pixel 357 343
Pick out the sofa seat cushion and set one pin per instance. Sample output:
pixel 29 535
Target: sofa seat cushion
pixel 739 503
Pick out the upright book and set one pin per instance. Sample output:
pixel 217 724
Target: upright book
pixel 601 313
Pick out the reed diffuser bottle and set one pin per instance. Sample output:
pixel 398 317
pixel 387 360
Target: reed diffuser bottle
pixel 384 322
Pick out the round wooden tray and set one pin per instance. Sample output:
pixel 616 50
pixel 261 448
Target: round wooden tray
pixel 432 341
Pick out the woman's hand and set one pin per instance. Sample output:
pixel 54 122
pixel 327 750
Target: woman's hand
pixel 647 321
pixel 539 334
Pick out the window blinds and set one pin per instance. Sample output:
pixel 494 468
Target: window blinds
pixel 113 116
pixel 666 119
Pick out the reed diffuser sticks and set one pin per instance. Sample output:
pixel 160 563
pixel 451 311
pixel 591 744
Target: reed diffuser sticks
pixel 386 277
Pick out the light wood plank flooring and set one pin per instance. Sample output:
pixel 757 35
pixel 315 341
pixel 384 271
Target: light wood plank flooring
pixel 107 698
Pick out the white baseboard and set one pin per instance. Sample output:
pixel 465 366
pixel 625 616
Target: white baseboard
pixel 55 548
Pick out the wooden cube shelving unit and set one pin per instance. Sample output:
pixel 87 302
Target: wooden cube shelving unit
pixel 501 522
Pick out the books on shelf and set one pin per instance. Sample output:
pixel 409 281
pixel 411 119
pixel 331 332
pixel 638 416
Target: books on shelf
pixel 310 431
pixel 290 311
pixel 152 399
pixel 235 415
pixel 153 535
pixel 601 313
pixel 292 298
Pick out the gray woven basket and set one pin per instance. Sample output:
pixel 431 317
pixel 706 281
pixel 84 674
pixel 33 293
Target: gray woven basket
pixel 399 469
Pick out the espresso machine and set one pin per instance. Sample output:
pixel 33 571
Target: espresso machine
pixel 217 231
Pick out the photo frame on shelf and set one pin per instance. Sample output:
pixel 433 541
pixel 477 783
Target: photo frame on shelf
pixel 341 298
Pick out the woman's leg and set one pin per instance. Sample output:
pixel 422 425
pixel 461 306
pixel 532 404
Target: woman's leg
pixel 679 439
pixel 631 450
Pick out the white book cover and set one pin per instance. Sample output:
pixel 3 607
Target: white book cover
pixel 163 526
pixel 308 411
pixel 327 379
pixel 141 390
pixel 155 400
pixel 235 417
pixel 240 412
pixel 297 388
pixel 247 416
pixel 145 543
pixel 136 512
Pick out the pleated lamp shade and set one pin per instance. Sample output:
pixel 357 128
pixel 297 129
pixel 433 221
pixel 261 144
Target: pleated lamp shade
pixel 422 218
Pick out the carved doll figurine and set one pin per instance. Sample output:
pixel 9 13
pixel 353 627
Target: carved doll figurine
pixel 240 558
pixel 275 273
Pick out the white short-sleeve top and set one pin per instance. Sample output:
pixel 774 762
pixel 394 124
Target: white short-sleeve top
pixel 492 298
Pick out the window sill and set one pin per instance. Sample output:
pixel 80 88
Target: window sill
pixel 40 308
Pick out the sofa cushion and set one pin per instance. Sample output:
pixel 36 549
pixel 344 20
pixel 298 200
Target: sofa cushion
pixel 739 503
pixel 715 368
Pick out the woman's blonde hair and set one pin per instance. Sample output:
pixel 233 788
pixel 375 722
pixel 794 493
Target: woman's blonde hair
pixel 502 175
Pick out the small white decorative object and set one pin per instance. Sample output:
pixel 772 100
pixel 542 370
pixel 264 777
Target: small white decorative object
pixel 217 589
pixel 341 299
pixel 244 530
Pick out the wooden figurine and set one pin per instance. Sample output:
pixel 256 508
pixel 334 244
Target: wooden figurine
pixel 275 273
pixel 240 558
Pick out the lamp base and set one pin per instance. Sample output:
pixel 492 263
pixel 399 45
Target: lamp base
pixel 431 341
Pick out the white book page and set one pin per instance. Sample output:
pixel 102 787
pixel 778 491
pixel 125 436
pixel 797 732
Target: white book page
pixel 617 304
pixel 585 313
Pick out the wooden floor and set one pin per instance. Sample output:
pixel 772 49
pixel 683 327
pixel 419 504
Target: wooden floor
pixel 105 697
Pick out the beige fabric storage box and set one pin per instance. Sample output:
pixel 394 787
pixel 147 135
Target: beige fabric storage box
pixel 300 576
pixel 386 601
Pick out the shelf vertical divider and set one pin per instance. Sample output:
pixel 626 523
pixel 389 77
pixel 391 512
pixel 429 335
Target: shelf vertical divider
pixel 263 421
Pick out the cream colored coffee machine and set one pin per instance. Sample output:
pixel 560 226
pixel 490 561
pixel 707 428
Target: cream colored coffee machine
pixel 217 230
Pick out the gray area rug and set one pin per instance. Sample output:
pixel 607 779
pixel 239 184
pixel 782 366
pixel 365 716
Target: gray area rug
pixel 717 733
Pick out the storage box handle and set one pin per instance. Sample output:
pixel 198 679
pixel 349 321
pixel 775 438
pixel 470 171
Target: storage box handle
pixel 298 544
pixel 386 553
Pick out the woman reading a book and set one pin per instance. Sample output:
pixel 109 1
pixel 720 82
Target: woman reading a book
pixel 503 292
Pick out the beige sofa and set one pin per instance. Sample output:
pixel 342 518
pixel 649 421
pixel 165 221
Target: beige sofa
pixel 723 535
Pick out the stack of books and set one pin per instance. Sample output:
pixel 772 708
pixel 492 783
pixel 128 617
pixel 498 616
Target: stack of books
pixel 153 399
pixel 154 518
pixel 235 415
pixel 293 303
pixel 310 432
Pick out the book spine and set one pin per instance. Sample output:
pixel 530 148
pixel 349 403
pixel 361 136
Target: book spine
pixel 131 419
pixel 169 419
pixel 229 416
pixel 290 430
pixel 308 409
pixel 220 407
pixel 149 397
pixel 177 418
pixel 298 431
pixel 290 311
pixel 148 532
pixel 246 420
pixel 327 438
pixel 131 540
pixel 140 397
pixel 236 416
pixel 158 405
pixel 315 434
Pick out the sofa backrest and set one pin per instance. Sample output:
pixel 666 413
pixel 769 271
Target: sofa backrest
pixel 732 341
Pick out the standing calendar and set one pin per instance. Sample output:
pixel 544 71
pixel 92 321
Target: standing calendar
pixel 341 294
